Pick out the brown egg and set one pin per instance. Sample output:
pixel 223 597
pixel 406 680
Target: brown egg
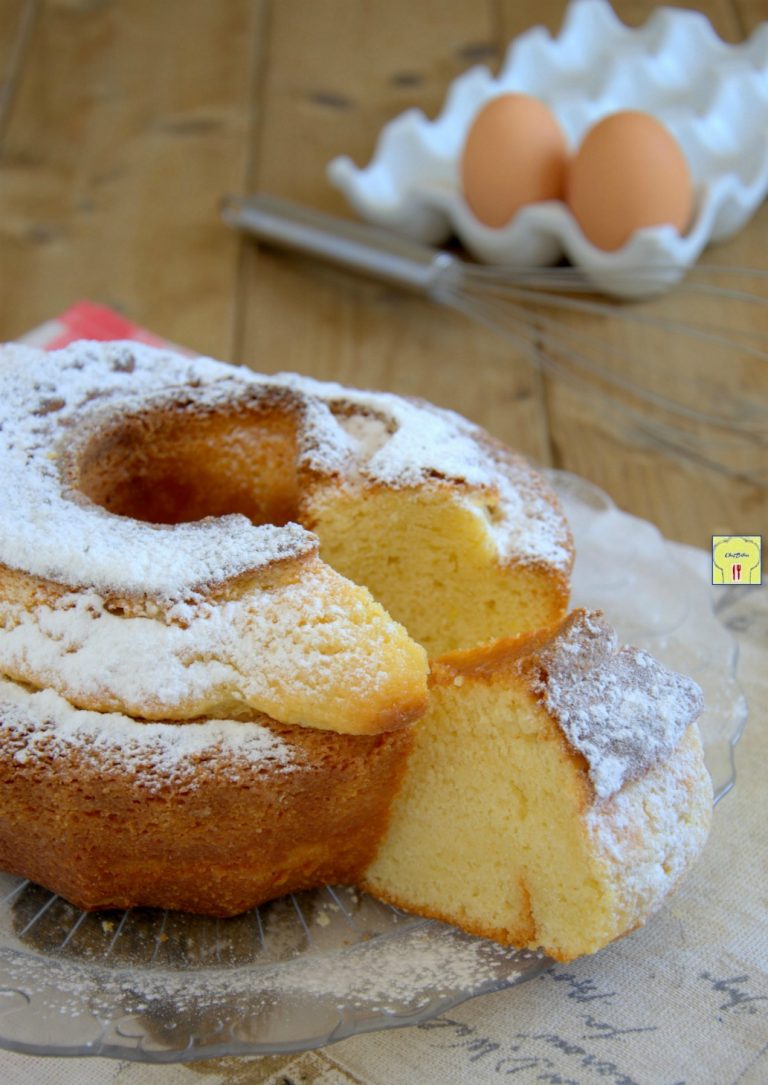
pixel 629 172
pixel 515 154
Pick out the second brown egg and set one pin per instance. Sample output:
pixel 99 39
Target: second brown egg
pixel 628 174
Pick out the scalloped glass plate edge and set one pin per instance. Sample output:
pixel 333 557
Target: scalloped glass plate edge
pixel 389 982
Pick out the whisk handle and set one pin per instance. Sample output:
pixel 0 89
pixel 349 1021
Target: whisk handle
pixel 368 250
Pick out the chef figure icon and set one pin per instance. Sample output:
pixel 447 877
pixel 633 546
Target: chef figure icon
pixel 736 559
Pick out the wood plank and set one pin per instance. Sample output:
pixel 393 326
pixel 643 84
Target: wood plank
pixel 17 18
pixel 13 14
pixel 517 16
pixel 750 13
pixel 337 70
pixel 687 499
pixel 127 130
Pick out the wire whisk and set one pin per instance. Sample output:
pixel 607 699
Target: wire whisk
pixel 691 386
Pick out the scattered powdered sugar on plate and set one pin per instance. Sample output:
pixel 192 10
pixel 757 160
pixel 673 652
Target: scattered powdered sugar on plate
pixel 383 976
pixel 191 1013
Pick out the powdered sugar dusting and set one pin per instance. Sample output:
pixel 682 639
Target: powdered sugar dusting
pixel 402 442
pixel 42 726
pixel 620 709
pixel 295 653
pixel 385 976
pixel 45 398
pixel 303 1002
pixel 652 830
pixel 191 654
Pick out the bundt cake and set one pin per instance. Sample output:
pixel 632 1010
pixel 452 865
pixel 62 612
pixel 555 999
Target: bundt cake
pixel 218 591
pixel 556 792
pixel 153 560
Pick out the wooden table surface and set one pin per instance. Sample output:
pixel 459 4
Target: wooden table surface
pixel 124 122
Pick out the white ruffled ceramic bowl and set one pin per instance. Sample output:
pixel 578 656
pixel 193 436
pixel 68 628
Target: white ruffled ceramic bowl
pixel 712 96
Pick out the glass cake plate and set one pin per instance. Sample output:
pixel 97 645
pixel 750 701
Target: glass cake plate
pixel 315 967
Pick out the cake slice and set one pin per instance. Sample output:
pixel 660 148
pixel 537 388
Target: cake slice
pixel 555 794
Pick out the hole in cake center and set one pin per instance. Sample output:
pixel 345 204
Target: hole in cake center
pixel 174 466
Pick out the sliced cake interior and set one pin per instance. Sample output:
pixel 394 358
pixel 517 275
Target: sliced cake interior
pixel 458 537
pixel 555 794
pixel 432 560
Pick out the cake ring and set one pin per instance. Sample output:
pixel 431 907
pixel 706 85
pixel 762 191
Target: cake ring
pixel 218 595
pixel 184 538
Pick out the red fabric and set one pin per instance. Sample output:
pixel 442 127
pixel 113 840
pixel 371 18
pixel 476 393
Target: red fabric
pixel 86 320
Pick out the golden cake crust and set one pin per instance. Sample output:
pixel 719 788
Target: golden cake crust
pixel 204 816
